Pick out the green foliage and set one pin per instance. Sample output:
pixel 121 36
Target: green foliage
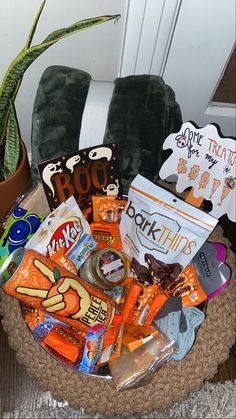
pixel 12 145
pixel 9 129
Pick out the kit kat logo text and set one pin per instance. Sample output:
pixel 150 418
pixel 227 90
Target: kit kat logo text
pixel 66 235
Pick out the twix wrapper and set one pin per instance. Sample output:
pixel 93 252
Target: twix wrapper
pixel 38 281
pixel 142 304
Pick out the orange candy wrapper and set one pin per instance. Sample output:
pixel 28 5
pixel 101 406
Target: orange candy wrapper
pixel 188 287
pixel 130 301
pixel 108 208
pixel 106 234
pixel 69 345
pixel 136 336
pixel 142 304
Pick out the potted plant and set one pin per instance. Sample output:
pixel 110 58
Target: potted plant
pixel 14 166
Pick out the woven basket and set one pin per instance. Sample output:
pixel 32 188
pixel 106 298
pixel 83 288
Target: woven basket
pixel 171 383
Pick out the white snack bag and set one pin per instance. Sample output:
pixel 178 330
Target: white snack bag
pixel 61 229
pixel 161 233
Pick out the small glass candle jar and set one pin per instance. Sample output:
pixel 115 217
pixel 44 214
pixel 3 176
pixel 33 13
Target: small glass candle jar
pixel 104 268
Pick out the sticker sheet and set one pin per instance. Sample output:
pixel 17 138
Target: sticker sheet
pixel 82 174
pixel 207 162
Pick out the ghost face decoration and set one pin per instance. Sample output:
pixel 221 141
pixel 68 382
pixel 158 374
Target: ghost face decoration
pixel 100 152
pixel 181 141
pixel 48 172
pixel 72 162
pixel 112 188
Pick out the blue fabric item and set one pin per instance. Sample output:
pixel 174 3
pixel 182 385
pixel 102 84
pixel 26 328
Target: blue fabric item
pixel 194 318
pixel 170 325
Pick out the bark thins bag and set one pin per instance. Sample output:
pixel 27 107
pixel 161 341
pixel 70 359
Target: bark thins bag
pixel 161 233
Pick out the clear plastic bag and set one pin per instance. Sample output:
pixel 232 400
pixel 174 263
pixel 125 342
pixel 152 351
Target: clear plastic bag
pixel 132 367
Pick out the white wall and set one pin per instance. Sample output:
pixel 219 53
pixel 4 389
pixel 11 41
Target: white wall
pixel 96 50
pixel 188 43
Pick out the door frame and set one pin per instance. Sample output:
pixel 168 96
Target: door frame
pixel 148 32
pixel 188 43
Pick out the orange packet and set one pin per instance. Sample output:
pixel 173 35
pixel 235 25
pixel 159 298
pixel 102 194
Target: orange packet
pixel 107 208
pixel 135 336
pixel 106 234
pixel 65 343
pixel 144 304
pixel 158 301
pixel 188 284
pixel 130 301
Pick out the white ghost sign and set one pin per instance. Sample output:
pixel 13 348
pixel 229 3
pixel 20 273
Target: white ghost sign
pixel 207 162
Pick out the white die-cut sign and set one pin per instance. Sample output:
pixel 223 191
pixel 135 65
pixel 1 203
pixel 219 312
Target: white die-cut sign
pixel 207 162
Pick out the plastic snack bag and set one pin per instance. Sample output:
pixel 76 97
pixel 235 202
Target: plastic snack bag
pixel 132 367
pixel 62 229
pixel 20 228
pixel 92 348
pixel 161 233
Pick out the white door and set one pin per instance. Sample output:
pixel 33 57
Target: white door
pixel 188 43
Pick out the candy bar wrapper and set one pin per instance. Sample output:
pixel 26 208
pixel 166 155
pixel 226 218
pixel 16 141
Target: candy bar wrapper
pixel 136 336
pixel 69 345
pixel 20 228
pixel 134 366
pixel 57 338
pixel 141 304
pixel 82 250
pixel 92 349
pixel 62 229
pixel 161 233
pixel 107 208
pixel 106 234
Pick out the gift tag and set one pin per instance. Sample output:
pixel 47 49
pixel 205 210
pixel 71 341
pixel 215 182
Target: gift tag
pixel 207 162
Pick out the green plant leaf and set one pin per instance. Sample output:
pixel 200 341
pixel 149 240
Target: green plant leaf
pixel 12 144
pixel 34 26
pixel 17 68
